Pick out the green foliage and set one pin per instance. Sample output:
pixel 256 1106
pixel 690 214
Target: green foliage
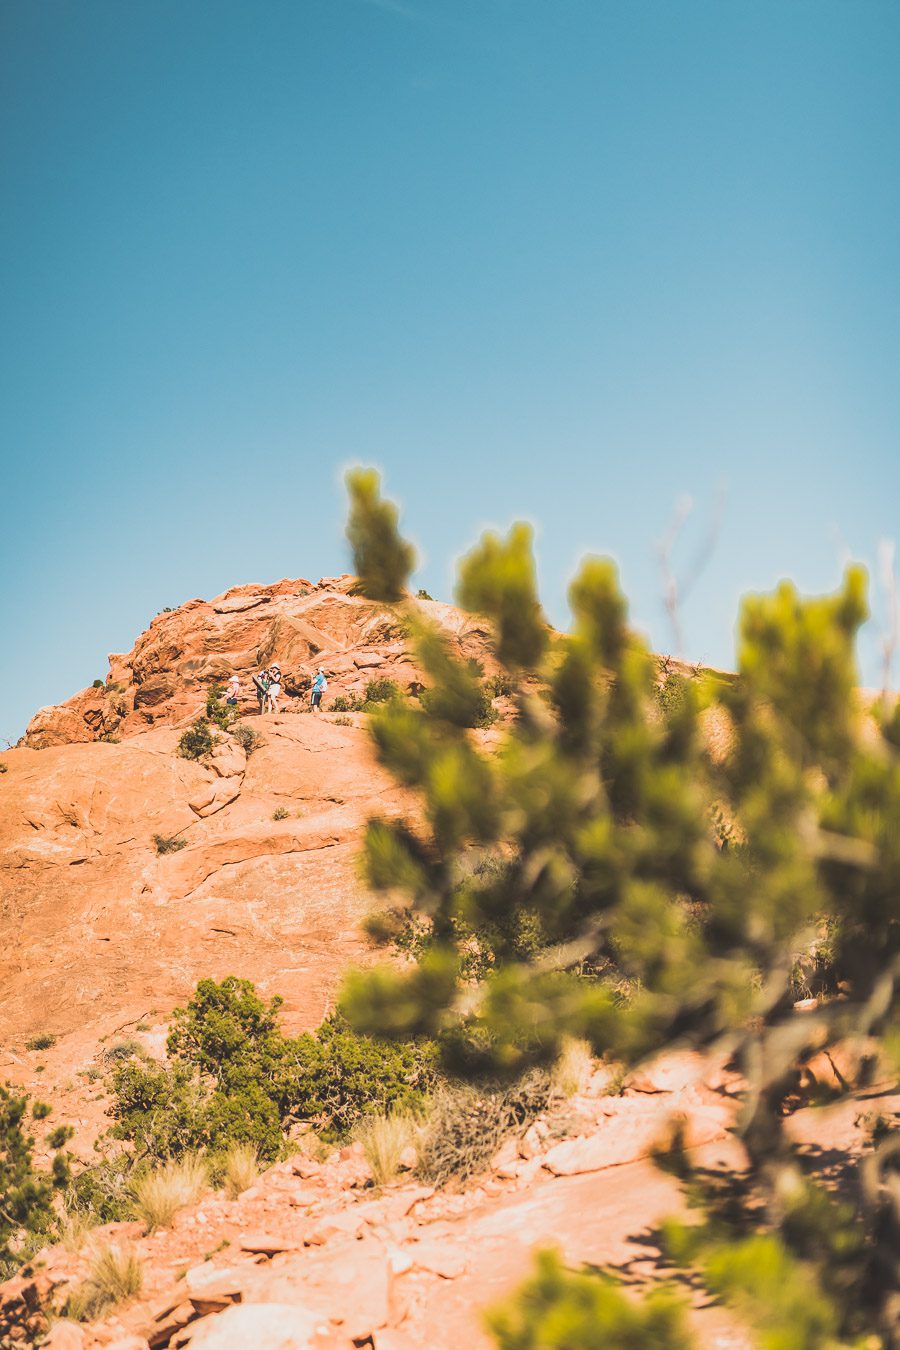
pixel 26 1194
pixel 497 579
pixel 382 560
pixel 45 1040
pixel 643 861
pixel 59 1137
pixel 169 843
pixel 423 595
pixel 563 1310
pixel 248 738
pixel 99 684
pixel 197 741
pixel 378 692
pixel 40 1110
pixel 382 690
pixel 234 1077
pixel 345 703
pixel 219 713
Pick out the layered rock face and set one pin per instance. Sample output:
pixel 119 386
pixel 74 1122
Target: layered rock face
pixel 163 680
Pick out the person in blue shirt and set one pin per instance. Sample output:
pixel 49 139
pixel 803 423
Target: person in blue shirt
pixel 319 685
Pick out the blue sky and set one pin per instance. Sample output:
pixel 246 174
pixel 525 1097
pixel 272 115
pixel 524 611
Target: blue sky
pixel 565 261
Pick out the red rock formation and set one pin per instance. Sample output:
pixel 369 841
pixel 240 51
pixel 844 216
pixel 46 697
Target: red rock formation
pixel 163 680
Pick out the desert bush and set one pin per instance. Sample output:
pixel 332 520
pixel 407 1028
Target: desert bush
pixel 158 1195
pixel 500 685
pixel 197 741
pixel 45 1040
pixel 382 690
pixel 114 1276
pixel 26 1193
pixel 99 684
pixel 345 703
pixel 599 812
pixel 168 843
pixel 40 1110
pixel 422 594
pixel 466 1124
pixel 239 1168
pixel 559 1309
pixel 343 722
pixel 100 1193
pixel 280 813
pixel 385 1138
pixel 4 767
pixel 221 714
pixel 126 1048
pixel 248 738
pixel 234 1077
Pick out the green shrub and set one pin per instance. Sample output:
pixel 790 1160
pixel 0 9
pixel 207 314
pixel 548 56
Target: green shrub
pixel 169 843
pixel 560 1309
pixel 40 1110
pixel 500 685
pixel 123 1049
pixel 382 690
pixel 222 715
pixel 26 1194
pixel 99 684
pixel 101 1193
pixel 248 738
pixel 59 1137
pixel 234 1077
pixel 197 741
pixel 44 1041
pixel 345 703
pixel 422 594
pixel 343 721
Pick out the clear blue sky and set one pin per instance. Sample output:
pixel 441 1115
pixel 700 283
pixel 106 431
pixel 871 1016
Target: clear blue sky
pixel 564 261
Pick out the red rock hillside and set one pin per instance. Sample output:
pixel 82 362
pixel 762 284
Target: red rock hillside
pixel 98 930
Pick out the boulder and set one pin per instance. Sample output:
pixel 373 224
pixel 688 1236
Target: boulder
pixel 262 1326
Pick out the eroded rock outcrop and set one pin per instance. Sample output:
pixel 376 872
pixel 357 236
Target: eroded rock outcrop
pixel 163 680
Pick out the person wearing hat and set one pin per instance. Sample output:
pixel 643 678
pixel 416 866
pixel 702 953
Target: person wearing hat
pixel 274 691
pixel 319 685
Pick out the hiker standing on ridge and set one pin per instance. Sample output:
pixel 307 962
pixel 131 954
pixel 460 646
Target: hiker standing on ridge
pixel 274 690
pixel 319 685
pixel 261 683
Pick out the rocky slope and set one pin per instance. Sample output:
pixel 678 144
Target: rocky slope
pixel 315 1257
pixel 98 930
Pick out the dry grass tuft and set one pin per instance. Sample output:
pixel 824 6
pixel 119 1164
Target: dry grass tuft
pixel 466 1125
pixel 115 1275
pixel 573 1069
pixel 240 1168
pixel 385 1138
pixel 159 1195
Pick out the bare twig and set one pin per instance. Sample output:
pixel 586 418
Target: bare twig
pixel 675 592
pixel 889 639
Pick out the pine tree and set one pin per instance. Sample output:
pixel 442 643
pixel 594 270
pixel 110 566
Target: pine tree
pixel 592 830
